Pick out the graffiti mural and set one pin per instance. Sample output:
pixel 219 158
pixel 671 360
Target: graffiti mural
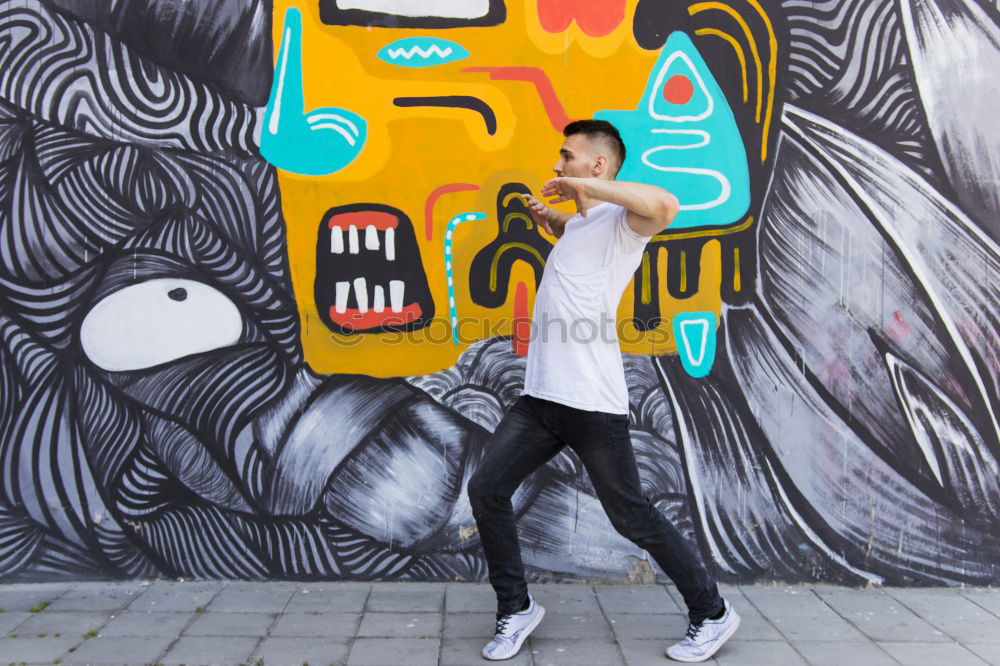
pixel 267 275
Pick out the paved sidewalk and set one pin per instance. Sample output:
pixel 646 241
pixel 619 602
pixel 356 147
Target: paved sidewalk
pixel 391 624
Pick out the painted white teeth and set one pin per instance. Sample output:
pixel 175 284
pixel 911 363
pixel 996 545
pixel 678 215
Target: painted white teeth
pixel 352 239
pixel 396 288
pixel 343 291
pixel 372 241
pixel 361 294
pixel 371 238
pixel 378 300
pixel 390 244
pixel 336 240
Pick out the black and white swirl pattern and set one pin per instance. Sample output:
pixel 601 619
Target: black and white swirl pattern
pixel 848 59
pixel 68 73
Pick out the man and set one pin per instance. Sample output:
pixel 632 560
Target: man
pixel 575 393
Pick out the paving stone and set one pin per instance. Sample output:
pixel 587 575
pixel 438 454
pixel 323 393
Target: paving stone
pixel 648 652
pixel 254 585
pixel 53 589
pixel 566 598
pixel 326 625
pixel 470 625
pixel 406 597
pixel 761 653
pixel 465 651
pixel 397 625
pixel 65 623
pixel 677 597
pixel 565 624
pixel 879 616
pixel 470 598
pixel 985 598
pixel 326 599
pixel 171 596
pixel 251 598
pixel 97 596
pixel 952 613
pixel 642 627
pixel 800 615
pixel 276 650
pixel 119 650
pixel 753 625
pixel 20 598
pixel 821 653
pixel 146 623
pixel 990 652
pixel 637 599
pixel 557 652
pixel 211 650
pixel 9 620
pixel 383 651
pixel 951 654
pixel 36 650
pixel 230 624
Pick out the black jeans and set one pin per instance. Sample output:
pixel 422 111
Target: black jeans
pixel 534 431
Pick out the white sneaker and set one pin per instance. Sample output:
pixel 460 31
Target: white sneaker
pixel 512 630
pixel 703 640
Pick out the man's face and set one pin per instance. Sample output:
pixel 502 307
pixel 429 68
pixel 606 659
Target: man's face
pixel 577 157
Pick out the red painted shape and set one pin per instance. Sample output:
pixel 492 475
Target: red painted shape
pixel 363 218
pixel 432 199
pixel 353 319
pixel 595 17
pixel 678 89
pixel 537 76
pixel 522 322
pixel 899 329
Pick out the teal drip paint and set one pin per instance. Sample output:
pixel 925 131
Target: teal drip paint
pixel 695 333
pixel 691 147
pixel 313 143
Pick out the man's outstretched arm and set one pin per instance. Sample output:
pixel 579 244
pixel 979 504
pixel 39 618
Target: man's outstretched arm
pixel 650 208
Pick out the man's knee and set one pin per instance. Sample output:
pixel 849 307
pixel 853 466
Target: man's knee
pixel 483 494
pixel 636 523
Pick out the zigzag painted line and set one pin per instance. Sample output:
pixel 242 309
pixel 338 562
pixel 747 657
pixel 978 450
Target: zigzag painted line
pixel 434 49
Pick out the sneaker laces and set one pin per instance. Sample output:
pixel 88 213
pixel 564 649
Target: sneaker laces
pixel 693 630
pixel 502 621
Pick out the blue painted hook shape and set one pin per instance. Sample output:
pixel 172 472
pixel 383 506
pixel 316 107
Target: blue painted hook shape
pixel 313 143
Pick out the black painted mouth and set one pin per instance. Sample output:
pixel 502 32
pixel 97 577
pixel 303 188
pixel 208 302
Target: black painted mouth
pixel 369 276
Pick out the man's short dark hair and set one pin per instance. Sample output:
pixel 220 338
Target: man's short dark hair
pixel 600 130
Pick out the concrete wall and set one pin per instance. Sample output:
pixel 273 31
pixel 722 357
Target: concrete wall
pixel 266 275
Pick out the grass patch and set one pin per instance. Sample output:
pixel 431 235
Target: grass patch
pixel 90 634
pixel 198 609
pixel 40 607
pixel 42 634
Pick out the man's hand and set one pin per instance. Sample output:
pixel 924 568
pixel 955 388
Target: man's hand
pixel 551 220
pixel 565 188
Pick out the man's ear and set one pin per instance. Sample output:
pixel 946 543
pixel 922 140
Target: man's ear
pixel 600 166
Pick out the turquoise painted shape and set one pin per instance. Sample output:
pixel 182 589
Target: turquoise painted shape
pixel 449 273
pixel 695 333
pixel 691 147
pixel 313 143
pixel 422 52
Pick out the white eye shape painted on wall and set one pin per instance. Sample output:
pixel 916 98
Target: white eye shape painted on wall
pixel 158 321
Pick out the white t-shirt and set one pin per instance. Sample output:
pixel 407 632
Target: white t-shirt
pixel 573 355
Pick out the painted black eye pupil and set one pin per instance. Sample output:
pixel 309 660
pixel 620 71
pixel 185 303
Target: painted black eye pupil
pixel 178 294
